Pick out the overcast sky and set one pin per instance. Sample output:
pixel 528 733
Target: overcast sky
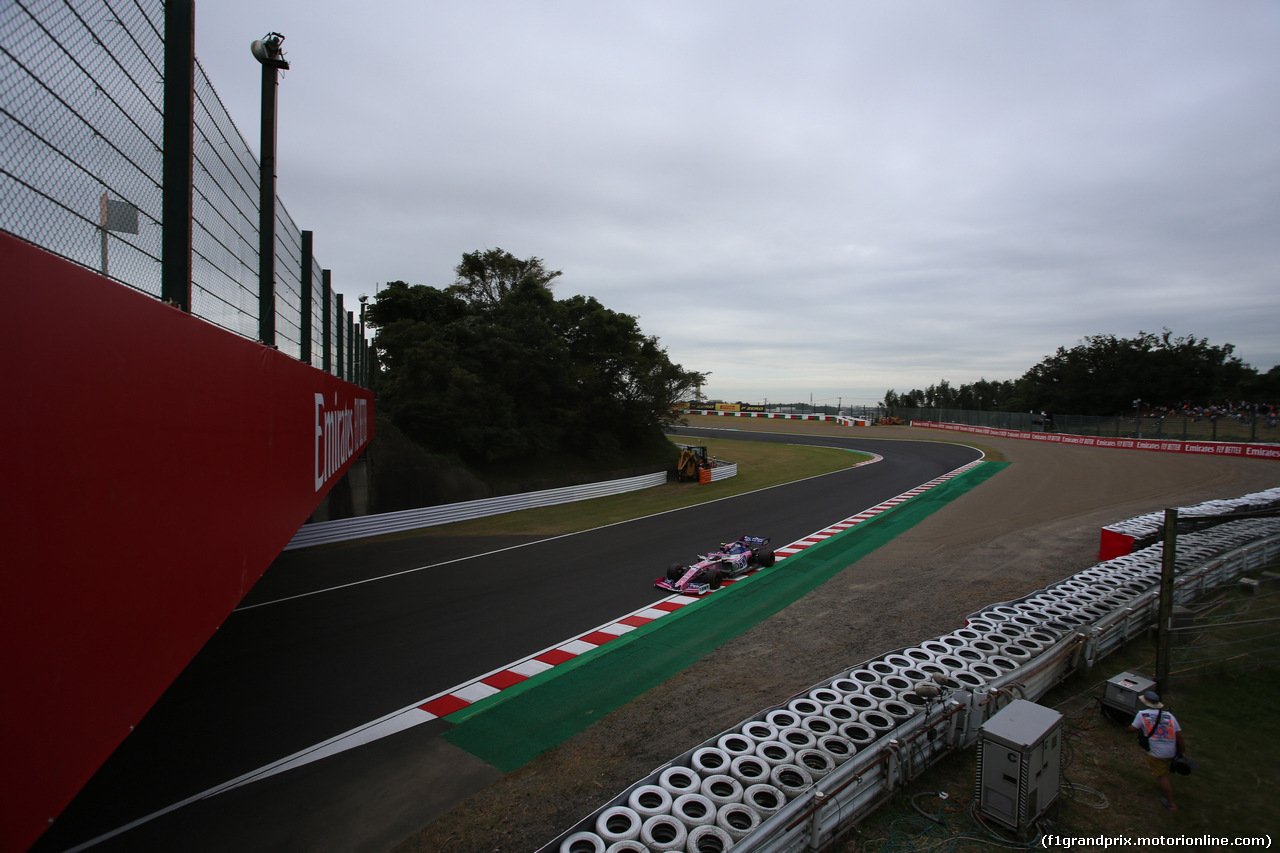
pixel 804 199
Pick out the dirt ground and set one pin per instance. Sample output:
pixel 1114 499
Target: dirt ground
pixel 1034 523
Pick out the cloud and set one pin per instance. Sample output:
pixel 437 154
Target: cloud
pixel 825 198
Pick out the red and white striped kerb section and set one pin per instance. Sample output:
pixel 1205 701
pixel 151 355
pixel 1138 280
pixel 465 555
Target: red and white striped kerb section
pixel 485 686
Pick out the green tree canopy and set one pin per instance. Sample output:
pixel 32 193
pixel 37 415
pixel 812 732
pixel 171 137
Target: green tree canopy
pixel 1105 374
pixel 495 369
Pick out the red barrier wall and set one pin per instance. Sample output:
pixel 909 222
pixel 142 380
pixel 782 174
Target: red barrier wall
pixel 1112 544
pixel 156 465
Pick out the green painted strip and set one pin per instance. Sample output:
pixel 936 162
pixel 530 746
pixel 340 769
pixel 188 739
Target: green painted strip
pixel 509 729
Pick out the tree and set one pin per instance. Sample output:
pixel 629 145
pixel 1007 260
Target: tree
pixel 487 277
pixel 497 370
pixel 1104 374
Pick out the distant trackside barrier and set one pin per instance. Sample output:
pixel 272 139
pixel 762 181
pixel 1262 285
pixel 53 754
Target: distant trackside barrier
pixel 324 532
pixel 1202 448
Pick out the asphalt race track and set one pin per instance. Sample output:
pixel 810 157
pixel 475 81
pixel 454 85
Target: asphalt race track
pixel 333 638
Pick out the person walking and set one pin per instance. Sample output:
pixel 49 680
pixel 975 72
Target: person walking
pixel 1164 744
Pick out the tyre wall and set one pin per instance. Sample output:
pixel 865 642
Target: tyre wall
pixel 796 776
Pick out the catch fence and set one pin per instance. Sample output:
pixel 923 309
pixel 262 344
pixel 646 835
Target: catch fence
pixel 102 104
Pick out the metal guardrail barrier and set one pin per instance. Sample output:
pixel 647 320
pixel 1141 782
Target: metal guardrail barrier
pixel 724 471
pixel 869 733
pixel 340 530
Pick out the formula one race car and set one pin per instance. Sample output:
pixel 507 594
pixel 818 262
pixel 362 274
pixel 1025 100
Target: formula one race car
pixel 733 560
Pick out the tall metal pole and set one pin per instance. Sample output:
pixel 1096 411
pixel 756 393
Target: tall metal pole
pixel 267 51
pixel 179 145
pixel 1168 565
pixel 267 210
pixel 363 377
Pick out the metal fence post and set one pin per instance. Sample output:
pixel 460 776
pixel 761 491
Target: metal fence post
pixel 304 321
pixel 338 323
pixel 179 147
pixel 351 347
pixel 326 321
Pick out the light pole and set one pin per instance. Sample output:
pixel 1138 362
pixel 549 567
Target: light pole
pixel 364 348
pixel 267 51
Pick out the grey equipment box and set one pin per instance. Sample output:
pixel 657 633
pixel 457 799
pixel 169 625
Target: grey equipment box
pixel 1019 764
pixel 1120 696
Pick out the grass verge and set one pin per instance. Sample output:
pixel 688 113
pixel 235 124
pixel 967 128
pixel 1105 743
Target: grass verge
pixel 510 728
pixel 760 465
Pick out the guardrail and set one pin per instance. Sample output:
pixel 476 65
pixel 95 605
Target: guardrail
pixel 343 529
pixel 773 415
pixel 724 471
pixel 797 776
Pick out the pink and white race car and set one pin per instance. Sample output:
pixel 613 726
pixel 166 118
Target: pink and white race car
pixel 733 560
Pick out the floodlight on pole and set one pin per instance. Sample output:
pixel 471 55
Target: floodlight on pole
pixel 267 51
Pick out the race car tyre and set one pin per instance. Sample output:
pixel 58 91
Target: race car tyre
pixel 709 839
pixel 859 702
pixel 721 790
pixel 879 692
pixel 735 744
pixel 900 683
pixel 847 686
pixel 898 661
pixel 627 847
pixel 840 714
pixel 865 677
pixel 1001 662
pixel 817 762
pixel 749 769
pixel 897 709
pixel 679 780
pixel 663 832
pixel 759 730
pixel 783 719
pixel 840 749
pixel 710 761
pixel 987 670
pixel 674 572
pixel 804 706
pixel 774 752
pixel 969 678
pixel 819 725
pixel 791 779
pixel 798 738
pixel 767 558
pixel 826 696
pixel 650 800
pixel 764 798
pixel 582 842
pixel 878 721
pixel 717 580
pixel 738 819
pixel 694 810
pixel 858 734
pixel 618 824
